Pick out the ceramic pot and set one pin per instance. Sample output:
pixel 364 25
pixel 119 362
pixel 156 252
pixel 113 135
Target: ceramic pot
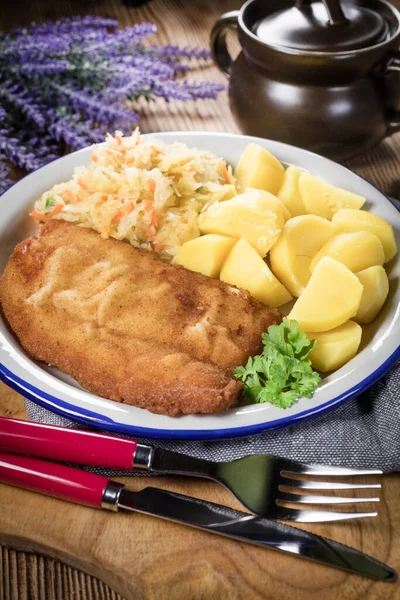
pixel 336 103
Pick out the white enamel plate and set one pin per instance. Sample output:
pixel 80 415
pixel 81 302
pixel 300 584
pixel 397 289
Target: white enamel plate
pixel 59 393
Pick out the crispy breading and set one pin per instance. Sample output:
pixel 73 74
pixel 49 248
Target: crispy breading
pixel 128 326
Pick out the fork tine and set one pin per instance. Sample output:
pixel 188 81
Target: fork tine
pixel 286 497
pixel 292 466
pixel 327 485
pixel 317 516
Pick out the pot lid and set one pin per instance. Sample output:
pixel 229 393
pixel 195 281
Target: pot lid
pixel 322 26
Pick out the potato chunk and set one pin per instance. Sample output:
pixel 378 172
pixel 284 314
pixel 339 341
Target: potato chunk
pixel 258 168
pixel 289 192
pixel 270 202
pixel 227 192
pixel 360 220
pixel 244 268
pixel 324 199
pixel 336 347
pixel 331 297
pixel 357 250
pixel 256 215
pixel 376 288
pixel 205 254
pixel 291 256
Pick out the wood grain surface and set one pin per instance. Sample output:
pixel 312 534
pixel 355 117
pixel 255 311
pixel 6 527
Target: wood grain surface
pixel 143 558
pixel 140 557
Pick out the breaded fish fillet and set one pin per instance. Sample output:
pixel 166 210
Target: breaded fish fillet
pixel 128 326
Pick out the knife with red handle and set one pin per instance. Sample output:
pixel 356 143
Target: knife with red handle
pixel 74 485
pixel 249 478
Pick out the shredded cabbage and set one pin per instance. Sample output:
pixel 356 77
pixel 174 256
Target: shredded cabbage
pixel 145 191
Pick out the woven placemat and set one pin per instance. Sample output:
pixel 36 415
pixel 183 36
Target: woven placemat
pixel 26 576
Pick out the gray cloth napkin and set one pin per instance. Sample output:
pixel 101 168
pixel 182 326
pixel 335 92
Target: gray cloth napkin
pixel 363 433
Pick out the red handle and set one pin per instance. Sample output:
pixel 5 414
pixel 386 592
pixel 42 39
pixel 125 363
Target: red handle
pixel 52 479
pixel 66 445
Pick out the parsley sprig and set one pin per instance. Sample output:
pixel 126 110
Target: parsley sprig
pixel 282 372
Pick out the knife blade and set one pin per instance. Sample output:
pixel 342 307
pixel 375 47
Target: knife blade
pixel 249 528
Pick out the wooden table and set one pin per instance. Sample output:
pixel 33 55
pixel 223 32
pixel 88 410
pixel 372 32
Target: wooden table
pixel 144 558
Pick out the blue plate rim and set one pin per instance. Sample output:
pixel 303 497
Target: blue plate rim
pixel 97 420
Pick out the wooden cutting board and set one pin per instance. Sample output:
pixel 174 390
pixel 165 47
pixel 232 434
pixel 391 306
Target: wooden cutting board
pixel 143 558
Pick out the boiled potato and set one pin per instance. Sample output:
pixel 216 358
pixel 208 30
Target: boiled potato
pixel 205 254
pixel 348 219
pixel 257 216
pixel 258 168
pixel 291 256
pixel 270 201
pixel 227 192
pixel 219 193
pixel 244 268
pixel 376 288
pixel 324 199
pixel 289 192
pixel 331 297
pixel 357 250
pixel 336 347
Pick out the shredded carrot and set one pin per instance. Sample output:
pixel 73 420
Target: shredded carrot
pixel 151 232
pixel 127 208
pixel 95 158
pixel 223 170
pixel 152 185
pixel 35 214
pixel 118 137
pixel 38 216
pixel 113 152
pixel 70 196
pixel 153 213
pixel 159 246
pixel 55 211
pixel 84 186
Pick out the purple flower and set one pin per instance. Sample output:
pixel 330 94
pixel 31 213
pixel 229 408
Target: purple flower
pixel 186 91
pixel 23 102
pixel 177 52
pixel 92 107
pixel 5 176
pixel 12 149
pixel 50 67
pixel 66 25
pixel 64 84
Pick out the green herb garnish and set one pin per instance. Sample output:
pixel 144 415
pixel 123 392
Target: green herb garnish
pixel 282 372
pixel 50 202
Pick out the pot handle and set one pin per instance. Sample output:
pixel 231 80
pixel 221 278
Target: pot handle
pixel 394 122
pixel 219 50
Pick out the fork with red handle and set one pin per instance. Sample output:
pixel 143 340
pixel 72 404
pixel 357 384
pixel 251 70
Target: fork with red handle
pixel 263 483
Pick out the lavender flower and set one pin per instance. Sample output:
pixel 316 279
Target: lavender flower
pixel 186 91
pixel 45 68
pixel 64 84
pixel 12 149
pixel 174 52
pixel 5 179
